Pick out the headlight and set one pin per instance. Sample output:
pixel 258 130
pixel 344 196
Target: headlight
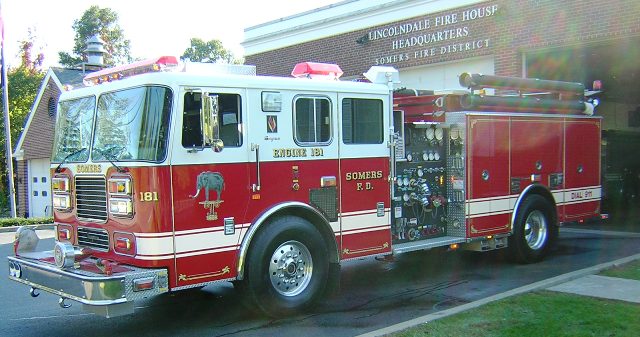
pixel 120 186
pixel 61 202
pixel 121 207
pixel 60 184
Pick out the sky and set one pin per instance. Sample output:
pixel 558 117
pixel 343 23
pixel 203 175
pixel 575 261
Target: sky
pixel 155 28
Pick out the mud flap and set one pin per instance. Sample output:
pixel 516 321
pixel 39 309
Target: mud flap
pixel 333 280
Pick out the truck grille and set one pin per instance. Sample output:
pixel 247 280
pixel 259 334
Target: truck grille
pixel 91 199
pixel 93 237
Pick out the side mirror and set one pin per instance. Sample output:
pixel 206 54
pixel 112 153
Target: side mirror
pixel 217 145
pixel 209 122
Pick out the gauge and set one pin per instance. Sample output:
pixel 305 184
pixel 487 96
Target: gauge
pixel 431 156
pixel 405 197
pixel 409 157
pixel 399 182
pixel 420 172
pixel 455 133
pixel 429 133
pixel 461 134
pixel 439 133
pixel 436 156
pixel 405 181
pixel 425 156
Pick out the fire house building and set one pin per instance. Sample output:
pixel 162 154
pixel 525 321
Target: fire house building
pixel 431 42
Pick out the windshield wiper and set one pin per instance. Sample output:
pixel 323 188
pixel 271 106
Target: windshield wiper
pixel 58 168
pixel 110 157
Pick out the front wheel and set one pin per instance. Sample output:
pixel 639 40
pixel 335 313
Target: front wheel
pixel 534 230
pixel 287 267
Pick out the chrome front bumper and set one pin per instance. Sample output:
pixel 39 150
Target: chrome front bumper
pixel 109 295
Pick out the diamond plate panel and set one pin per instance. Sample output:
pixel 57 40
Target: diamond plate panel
pixel 325 199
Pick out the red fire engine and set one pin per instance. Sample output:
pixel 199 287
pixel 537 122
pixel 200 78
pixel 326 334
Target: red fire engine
pixel 169 176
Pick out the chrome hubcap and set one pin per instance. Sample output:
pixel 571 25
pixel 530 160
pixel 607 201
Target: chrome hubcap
pixel 535 230
pixel 290 268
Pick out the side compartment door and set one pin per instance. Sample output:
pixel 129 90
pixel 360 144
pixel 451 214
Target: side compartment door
pixel 364 171
pixel 489 206
pixel 209 186
pixel 537 145
pixel 582 168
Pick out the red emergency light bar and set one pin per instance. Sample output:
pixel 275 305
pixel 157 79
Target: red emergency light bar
pixel 135 68
pixel 317 70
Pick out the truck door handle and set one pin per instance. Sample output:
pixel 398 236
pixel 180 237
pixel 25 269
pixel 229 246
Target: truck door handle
pixel 256 187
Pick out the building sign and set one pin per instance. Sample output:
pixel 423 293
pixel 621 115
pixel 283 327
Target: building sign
pixel 436 35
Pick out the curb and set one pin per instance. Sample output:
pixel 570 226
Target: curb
pixel 601 232
pixel 37 227
pixel 517 291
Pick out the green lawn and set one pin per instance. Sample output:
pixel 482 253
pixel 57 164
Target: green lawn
pixel 630 270
pixel 541 313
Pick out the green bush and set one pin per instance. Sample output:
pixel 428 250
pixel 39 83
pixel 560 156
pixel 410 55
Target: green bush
pixel 8 222
pixel 4 204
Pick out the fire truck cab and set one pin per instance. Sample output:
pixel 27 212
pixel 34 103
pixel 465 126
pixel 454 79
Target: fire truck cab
pixel 170 176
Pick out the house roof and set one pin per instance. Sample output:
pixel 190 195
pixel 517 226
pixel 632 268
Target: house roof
pixel 69 76
pixel 61 77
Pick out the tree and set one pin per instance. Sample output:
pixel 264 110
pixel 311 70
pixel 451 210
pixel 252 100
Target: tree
pixel 26 46
pixel 210 52
pixel 24 82
pixel 102 22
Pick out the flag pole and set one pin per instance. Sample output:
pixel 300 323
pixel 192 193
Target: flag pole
pixel 7 125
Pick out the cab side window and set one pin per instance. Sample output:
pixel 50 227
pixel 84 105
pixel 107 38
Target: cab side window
pixel 362 121
pixel 229 117
pixel 191 131
pixel 312 116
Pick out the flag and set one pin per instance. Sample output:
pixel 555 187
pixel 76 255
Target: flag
pixel 1 30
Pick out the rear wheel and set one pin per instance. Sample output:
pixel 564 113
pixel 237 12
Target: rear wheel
pixel 287 267
pixel 534 230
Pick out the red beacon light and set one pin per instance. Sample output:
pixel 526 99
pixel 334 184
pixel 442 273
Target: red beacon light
pixel 317 70
pixel 163 63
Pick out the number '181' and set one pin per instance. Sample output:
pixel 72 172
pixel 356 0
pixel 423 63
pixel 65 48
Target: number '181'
pixel 148 196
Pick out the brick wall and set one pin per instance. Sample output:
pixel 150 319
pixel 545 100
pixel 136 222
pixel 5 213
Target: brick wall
pixel 39 138
pixel 22 191
pixel 516 27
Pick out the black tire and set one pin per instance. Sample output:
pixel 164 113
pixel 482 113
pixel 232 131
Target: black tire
pixel 534 230
pixel 286 267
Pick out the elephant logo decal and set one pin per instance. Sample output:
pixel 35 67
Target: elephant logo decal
pixel 208 181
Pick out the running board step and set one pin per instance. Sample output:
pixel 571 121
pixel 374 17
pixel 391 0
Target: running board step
pixel 426 244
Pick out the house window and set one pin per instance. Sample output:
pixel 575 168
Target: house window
pixel 35 179
pixel 51 107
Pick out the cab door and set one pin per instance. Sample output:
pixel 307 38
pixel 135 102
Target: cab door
pixel 364 171
pixel 208 205
pixel 294 151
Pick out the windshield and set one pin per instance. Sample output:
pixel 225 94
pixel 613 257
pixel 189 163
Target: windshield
pixel 73 130
pixel 132 125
